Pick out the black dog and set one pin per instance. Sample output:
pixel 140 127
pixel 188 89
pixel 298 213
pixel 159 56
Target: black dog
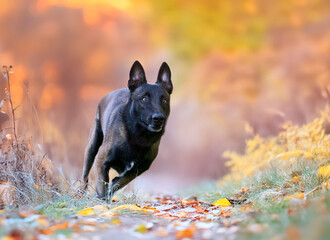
pixel 127 129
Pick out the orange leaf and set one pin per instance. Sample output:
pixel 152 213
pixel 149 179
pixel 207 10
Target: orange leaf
pixel 54 228
pixel 292 233
pixel 151 209
pixel 245 208
pixel 295 179
pixel 300 195
pixel 187 233
pixel 200 209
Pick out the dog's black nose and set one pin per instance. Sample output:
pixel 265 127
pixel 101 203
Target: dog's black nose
pixel 158 118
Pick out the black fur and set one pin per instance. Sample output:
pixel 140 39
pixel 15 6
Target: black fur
pixel 127 129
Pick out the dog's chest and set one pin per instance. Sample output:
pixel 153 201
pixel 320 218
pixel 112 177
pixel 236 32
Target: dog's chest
pixel 141 157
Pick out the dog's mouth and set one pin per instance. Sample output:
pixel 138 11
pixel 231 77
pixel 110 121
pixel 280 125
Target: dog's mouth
pixel 153 127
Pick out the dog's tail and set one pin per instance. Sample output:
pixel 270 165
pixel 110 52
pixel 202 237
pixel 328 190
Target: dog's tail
pixel 94 142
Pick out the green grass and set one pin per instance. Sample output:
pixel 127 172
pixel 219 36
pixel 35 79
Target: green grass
pixel 273 215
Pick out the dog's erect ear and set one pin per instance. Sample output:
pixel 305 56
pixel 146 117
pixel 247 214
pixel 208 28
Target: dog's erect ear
pixel 164 77
pixel 136 76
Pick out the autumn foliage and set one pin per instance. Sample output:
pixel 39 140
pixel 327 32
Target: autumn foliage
pixel 310 142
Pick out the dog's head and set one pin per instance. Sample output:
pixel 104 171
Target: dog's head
pixel 150 103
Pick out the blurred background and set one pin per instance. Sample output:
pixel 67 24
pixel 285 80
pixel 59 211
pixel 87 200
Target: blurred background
pixel 239 68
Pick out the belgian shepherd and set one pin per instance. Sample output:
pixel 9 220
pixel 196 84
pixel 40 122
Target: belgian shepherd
pixel 127 129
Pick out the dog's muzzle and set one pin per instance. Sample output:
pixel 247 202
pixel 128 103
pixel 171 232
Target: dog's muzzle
pixel 157 122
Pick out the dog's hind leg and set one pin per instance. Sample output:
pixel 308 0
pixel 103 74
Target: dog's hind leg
pixel 102 167
pixel 94 142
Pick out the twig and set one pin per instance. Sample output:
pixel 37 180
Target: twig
pixel 6 76
pixel 312 191
pixel 42 159
pixel 33 109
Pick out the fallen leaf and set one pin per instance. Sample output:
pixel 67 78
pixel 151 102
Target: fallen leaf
pixel 222 202
pixel 141 228
pixel 54 228
pixel 103 226
pixel 86 212
pixel 182 214
pixel 245 190
pixel 300 195
pixel 115 221
pixel 131 207
pixel 295 179
pixel 151 209
pixel 200 209
pixel 14 235
pixel 7 193
pixel 109 213
pixel 186 233
pixel 287 198
pixel 246 208
pixel 99 208
pixel 292 233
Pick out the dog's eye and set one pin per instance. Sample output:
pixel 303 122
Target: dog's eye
pixel 144 99
pixel 164 101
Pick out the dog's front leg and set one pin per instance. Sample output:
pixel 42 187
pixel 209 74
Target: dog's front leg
pixel 121 181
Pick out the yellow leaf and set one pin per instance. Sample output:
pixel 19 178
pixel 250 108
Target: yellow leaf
pixel 36 186
pixel 87 211
pixel 287 198
pixel 300 195
pixel 141 228
pixel 130 207
pixel 115 221
pixel 324 172
pixel 222 202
